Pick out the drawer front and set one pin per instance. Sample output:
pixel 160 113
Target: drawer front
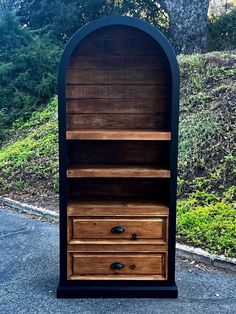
pixel 117 265
pixel 132 229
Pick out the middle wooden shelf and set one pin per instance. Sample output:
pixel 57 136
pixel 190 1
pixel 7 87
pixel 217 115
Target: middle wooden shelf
pixel 116 171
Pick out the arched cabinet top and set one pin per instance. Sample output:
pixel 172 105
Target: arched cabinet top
pixel 134 70
pixel 135 23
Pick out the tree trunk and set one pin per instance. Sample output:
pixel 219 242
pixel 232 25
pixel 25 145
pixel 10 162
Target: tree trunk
pixel 188 25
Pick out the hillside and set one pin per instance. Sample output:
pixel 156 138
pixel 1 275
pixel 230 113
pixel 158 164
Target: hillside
pixel 29 160
pixel 206 191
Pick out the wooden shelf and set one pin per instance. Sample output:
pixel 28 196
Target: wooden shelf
pixel 99 134
pixel 116 171
pixel 116 207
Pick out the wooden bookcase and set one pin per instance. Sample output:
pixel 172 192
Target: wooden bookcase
pixel 118 126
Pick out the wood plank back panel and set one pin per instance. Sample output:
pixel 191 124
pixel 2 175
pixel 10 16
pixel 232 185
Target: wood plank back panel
pixel 103 105
pixel 129 33
pixel 119 77
pixel 114 62
pixel 119 152
pixel 150 188
pixel 116 46
pixel 117 91
pixel 111 75
pixel 117 121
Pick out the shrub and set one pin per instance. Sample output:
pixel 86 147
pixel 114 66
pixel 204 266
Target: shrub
pixel 222 32
pixel 211 227
pixel 27 71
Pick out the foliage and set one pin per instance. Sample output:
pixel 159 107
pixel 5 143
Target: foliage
pixel 211 226
pixel 6 6
pixel 27 71
pixel 32 158
pixel 64 17
pixel 222 32
pixel 207 155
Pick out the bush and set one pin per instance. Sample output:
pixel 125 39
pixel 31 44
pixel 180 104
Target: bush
pixel 27 71
pixel 211 227
pixel 222 32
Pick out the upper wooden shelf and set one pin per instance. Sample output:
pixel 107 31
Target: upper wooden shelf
pixel 101 134
pixel 116 171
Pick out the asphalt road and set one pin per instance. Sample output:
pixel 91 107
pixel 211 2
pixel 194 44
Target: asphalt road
pixel 29 277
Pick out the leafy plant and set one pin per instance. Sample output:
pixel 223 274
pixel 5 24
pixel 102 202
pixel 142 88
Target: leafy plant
pixel 27 71
pixel 222 32
pixel 211 227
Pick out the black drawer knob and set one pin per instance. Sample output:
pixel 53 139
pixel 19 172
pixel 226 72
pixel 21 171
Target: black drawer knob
pixel 117 229
pixel 117 265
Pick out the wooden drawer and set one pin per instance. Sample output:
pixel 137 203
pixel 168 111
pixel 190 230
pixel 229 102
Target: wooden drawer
pixel 133 229
pixel 117 266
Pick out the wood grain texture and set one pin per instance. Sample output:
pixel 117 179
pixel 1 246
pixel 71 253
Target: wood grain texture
pixel 118 31
pixel 103 171
pixel 116 46
pixel 123 77
pixel 117 246
pixel 117 208
pixel 119 152
pixel 120 277
pixel 134 264
pixel 117 121
pixel 134 229
pixel 135 135
pixel 111 62
pixel 104 105
pixel 117 91
pixel 156 189
pixel 69 265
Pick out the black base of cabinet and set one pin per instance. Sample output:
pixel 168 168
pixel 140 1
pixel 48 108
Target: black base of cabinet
pixel 117 291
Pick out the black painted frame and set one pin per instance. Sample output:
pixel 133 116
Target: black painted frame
pixel 115 288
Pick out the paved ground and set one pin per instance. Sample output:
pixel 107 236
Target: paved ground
pixel 29 277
